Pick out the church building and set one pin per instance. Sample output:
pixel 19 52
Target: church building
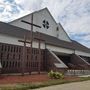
pixel 37 43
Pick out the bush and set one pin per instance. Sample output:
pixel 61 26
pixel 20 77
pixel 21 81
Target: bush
pixel 55 75
pixel 51 74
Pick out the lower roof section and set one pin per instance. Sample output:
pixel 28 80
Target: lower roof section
pixel 65 51
pixel 14 31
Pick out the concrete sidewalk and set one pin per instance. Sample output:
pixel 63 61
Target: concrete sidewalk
pixel 85 85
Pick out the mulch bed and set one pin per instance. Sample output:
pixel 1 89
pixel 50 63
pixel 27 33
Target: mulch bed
pixel 22 79
pixel 14 79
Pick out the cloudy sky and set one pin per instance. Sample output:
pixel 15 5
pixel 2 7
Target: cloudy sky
pixel 74 15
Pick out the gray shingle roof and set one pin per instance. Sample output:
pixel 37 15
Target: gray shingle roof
pixel 14 31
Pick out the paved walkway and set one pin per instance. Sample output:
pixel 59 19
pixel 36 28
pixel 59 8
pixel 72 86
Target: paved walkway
pixel 71 86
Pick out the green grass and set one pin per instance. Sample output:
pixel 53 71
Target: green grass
pixel 41 84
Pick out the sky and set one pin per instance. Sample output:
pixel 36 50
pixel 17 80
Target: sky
pixel 74 15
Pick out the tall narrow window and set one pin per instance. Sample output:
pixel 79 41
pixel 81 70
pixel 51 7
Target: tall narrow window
pixel 19 57
pixel 19 50
pixel 57 29
pixel 18 64
pixel 6 64
pixel 11 48
pixel 13 56
pixel 36 57
pixel 9 64
pixel 34 51
pixel 5 47
pixel 8 48
pixel 7 56
pixel 14 48
pixel 32 57
pixel 27 57
pixel 3 64
pixel 1 56
pixel 2 47
pixel 15 64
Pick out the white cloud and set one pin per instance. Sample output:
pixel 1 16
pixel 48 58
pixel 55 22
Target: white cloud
pixel 29 5
pixel 23 6
pixel 78 17
pixel 85 38
pixel 74 15
pixel 19 1
pixel 55 7
pixel 80 25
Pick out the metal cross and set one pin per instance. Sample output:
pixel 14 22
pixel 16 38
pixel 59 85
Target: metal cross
pixel 24 53
pixel 39 39
pixel 31 31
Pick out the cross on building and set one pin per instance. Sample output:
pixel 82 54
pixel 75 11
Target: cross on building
pixel 24 53
pixel 56 52
pixel 38 37
pixel 31 39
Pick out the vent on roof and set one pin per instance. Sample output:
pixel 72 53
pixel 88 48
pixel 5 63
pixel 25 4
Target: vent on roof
pixel 57 29
pixel 45 24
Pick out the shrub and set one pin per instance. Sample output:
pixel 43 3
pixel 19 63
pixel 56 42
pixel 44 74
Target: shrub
pixel 51 74
pixel 55 75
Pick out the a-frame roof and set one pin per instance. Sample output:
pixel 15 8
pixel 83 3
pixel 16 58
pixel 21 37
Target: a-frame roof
pixel 66 38
pixel 34 13
pixel 64 31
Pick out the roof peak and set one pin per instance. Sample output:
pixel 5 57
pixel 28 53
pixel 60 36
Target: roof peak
pixel 29 14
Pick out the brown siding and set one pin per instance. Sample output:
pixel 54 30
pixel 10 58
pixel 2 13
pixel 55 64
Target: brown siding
pixel 11 59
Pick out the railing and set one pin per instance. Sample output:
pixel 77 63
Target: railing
pixel 77 72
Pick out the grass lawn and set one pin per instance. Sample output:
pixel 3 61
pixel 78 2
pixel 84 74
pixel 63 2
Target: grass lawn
pixel 26 86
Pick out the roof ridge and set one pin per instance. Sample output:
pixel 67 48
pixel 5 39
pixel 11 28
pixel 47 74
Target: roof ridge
pixel 27 15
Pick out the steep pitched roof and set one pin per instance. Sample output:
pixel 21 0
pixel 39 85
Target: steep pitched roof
pixel 34 13
pixel 62 34
pixel 11 30
pixel 14 31
pixel 64 31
